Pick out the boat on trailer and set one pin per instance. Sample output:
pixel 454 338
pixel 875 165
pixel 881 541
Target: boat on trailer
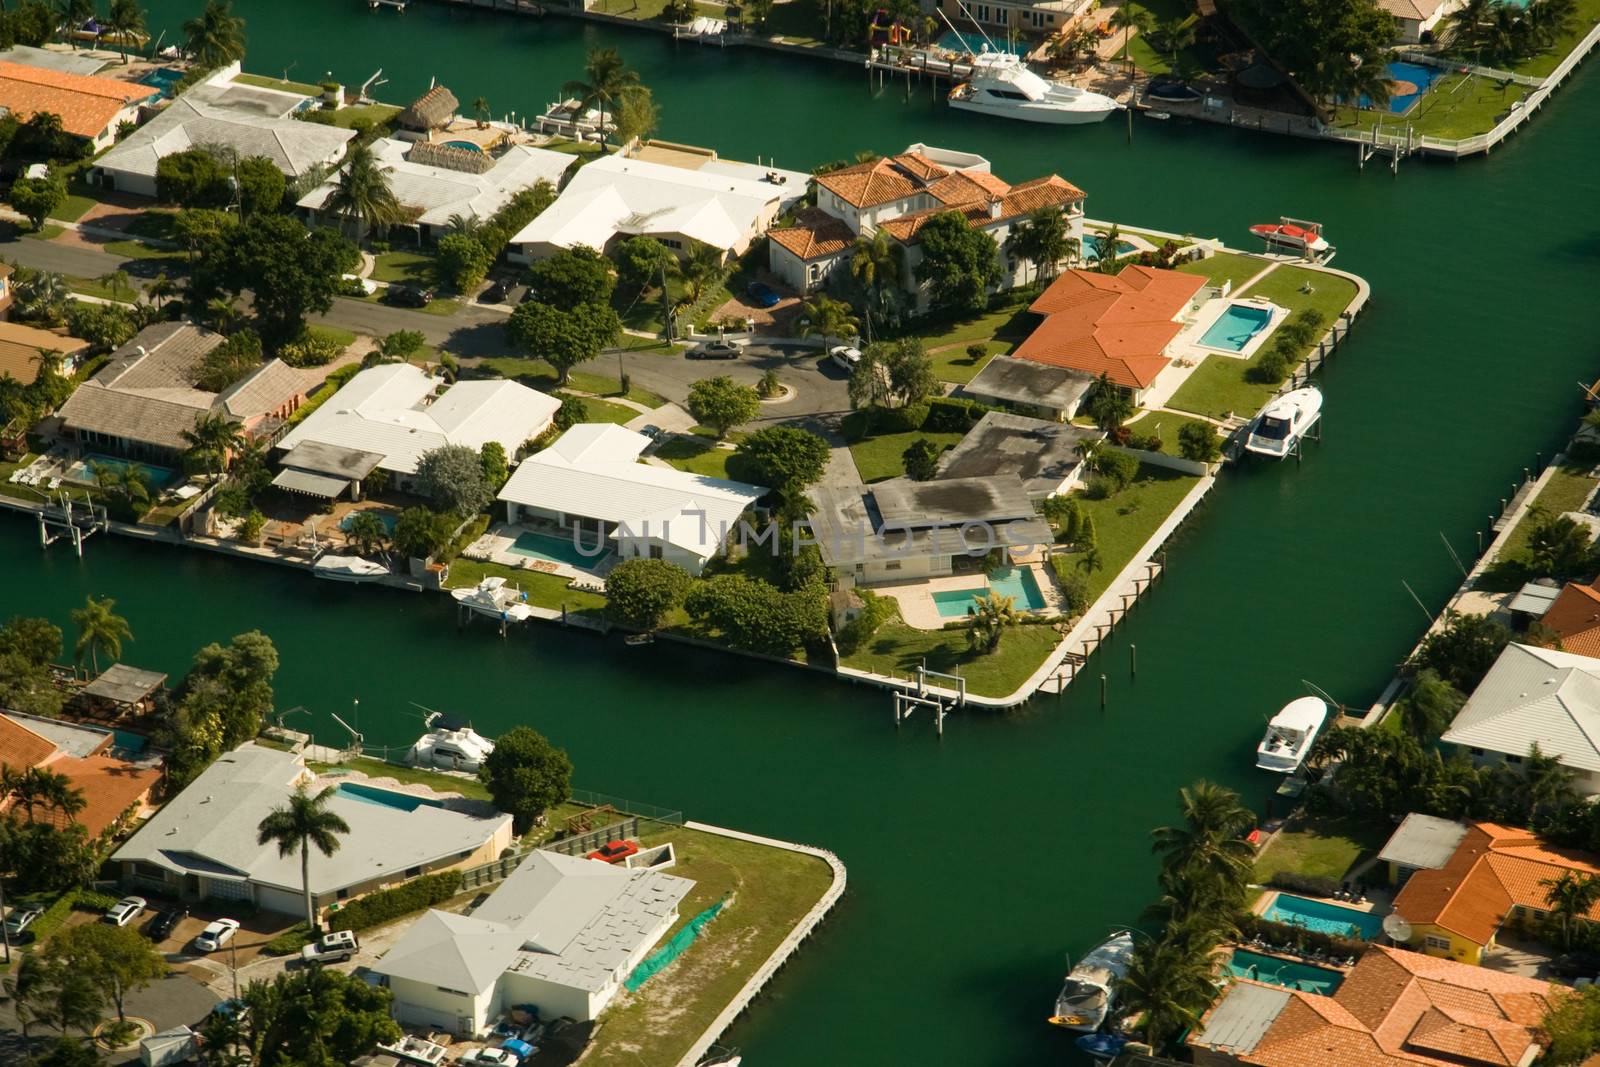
pixel 1087 995
pixel 1290 735
pixel 1282 424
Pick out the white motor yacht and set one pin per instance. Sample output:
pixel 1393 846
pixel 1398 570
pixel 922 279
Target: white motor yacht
pixel 1284 422
pixel 451 745
pixel 1002 85
pixel 495 598
pixel 1087 996
pixel 1290 734
pixel 349 569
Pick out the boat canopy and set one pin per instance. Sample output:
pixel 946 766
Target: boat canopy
pixel 1304 714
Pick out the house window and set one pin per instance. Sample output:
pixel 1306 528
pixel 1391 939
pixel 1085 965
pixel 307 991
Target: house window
pixel 1513 759
pixel 1440 943
pixel 670 242
pixel 892 565
pixel 1002 15
pixel 983 12
pixel 655 551
pixel 1476 751
pixel 412 872
pixel 343 894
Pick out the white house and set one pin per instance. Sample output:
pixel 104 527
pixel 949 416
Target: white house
pixel 250 120
pixel 616 196
pixel 1535 696
pixel 590 483
pixel 434 181
pixel 395 412
pixel 898 195
pixel 202 844
pixel 561 934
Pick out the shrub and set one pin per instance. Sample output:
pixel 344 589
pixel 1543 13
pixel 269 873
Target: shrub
pixel 388 904
pixel 1145 442
pixel 951 415
pixel 1271 369
pixel 310 351
pixel 1198 442
pixel 1099 487
pixel 1074 586
pixel 289 942
pixel 906 419
pixel 1315 885
pixel 1117 466
pixel 875 611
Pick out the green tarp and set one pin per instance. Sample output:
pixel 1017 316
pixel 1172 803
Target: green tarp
pixel 672 949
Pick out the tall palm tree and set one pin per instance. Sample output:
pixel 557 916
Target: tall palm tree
pixel 362 193
pixel 214 438
pixel 1466 23
pixel 1042 240
pixel 698 270
pixel 605 79
pixel 1128 18
pixel 1106 258
pixel 55 790
pixel 989 614
pixel 878 264
pixel 50 361
pixel 480 107
pixel 1547 781
pixel 1174 35
pixel 1369 79
pixel 465 224
pixel 1570 898
pixel 30 993
pixel 41 295
pixel 100 629
pixel 161 289
pixel 74 13
pixel 117 282
pixel 1206 854
pixel 1168 984
pixel 827 318
pixel 303 822
pixel 125 18
pixel 216 35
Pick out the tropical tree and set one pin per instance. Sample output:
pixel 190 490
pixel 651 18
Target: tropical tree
pixel 216 35
pixel 366 532
pixel 1106 257
pixel 28 988
pixel 480 107
pixel 362 193
pixel 828 318
pixel 74 13
pixel 1464 27
pixel 1042 240
pixel 298 826
pixel 1131 18
pixel 989 616
pixel 214 438
pixel 1206 859
pixel 1174 35
pixel 161 289
pixel 1167 985
pixel 526 774
pixel 878 264
pixel 1571 897
pixel 116 958
pixel 605 79
pixel 125 18
pixel 100 629
pixel 1366 79
pixel 698 270
pixel 722 403
pixel 1109 405
pixel 41 295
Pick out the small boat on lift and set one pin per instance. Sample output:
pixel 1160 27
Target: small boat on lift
pixel 1282 424
pixel 1296 235
pixel 1088 994
pixel 1290 735
pixel 450 744
pixel 495 598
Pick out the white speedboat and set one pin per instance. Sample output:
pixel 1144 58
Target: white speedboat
pixel 450 745
pixel 349 569
pixel 1087 996
pixel 1002 85
pixel 1290 734
pixel 1282 423
pixel 495 598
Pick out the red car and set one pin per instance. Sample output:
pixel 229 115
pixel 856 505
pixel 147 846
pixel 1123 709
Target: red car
pixel 614 851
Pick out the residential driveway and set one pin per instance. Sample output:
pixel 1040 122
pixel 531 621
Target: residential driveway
pixel 177 1000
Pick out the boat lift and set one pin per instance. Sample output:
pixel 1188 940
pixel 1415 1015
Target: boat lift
pixel 906 703
pixel 61 519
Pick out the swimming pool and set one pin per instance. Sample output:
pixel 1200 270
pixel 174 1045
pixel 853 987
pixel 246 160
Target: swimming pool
pixel 470 146
pixel 974 43
pixel 389 519
pixel 82 472
pixel 1094 246
pixel 1236 328
pixel 163 78
pixel 1415 73
pixel 1322 917
pixel 553 550
pixel 1287 973
pixel 385 798
pixel 1015 582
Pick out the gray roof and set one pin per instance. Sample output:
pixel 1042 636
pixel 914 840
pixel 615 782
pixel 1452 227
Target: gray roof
pixel 1535 598
pixel 1245 1014
pixel 896 519
pixel 165 356
pixel 1043 454
pixel 146 391
pixel 1535 695
pixel 299 481
pixel 136 418
pixel 1024 381
pixel 267 388
pixel 70 738
pixel 210 828
pixel 564 919
pixel 74 62
pixel 1425 842
pixel 124 685
pixel 338 460
pixel 433 108
pixel 914 505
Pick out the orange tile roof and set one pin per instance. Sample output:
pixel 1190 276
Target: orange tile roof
pixel 1493 869
pixel 110 787
pixel 967 187
pixel 881 181
pixel 86 105
pixel 20 747
pixel 1574 616
pixel 1119 325
pixel 1030 196
pixel 814 235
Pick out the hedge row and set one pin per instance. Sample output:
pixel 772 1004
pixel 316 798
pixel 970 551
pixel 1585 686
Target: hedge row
pixel 1315 885
pixel 389 904
pixel 1251 925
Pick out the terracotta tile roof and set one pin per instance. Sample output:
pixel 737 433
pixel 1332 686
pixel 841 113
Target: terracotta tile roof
pixel 815 234
pixel 905 228
pixel 86 105
pixel 20 747
pixel 1119 324
pixel 881 181
pixel 1574 616
pixel 110 786
pixel 967 187
pixel 1030 196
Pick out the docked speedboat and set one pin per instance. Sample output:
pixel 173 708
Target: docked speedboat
pixel 1002 85
pixel 451 745
pixel 1282 423
pixel 349 569
pixel 495 598
pixel 1290 735
pixel 1301 237
pixel 1087 996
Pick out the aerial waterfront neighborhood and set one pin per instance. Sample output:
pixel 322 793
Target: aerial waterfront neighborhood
pixel 438 448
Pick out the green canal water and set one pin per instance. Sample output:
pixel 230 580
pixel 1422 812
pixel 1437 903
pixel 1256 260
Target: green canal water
pixel 977 862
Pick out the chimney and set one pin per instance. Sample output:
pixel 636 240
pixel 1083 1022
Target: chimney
pixel 994 209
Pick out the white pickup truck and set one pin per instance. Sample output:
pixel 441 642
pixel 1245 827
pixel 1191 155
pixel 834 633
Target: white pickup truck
pixel 331 948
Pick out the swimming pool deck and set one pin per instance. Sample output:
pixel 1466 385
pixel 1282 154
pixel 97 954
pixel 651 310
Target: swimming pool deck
pixel 495 547
pixel 918 610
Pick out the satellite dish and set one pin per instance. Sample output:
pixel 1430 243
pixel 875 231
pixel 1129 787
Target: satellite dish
pixel 1396 927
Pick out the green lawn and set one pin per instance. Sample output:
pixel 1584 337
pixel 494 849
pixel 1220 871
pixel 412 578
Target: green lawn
pixel 768 891
pixel 279 84
pixel 1326 848
pixel 92 287
pixel 544 590
pixel 1458 106
pixel 1166 425
pixel 377 114
pixel 132 249
pixel 879 457
pixel 800 21
pixel 48 232
pixel 412 268
pixel 1124 522
pixel 1226 266
pixel 75 206
pixel 696 455
pixel 1190 60
pixel 444 783
pixel 1010 319
pixel 954 365
pixel 605 411
pixel 342 338
pixel 153 223
pixel 897 649
pixel 610 387
pixel 1588 13
pixel 1219 386
pixel 645 312
pixel 1568 487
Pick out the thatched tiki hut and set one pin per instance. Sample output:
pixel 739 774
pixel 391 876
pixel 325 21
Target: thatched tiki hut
pixel 431 111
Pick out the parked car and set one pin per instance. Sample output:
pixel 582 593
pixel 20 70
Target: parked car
pixel 216 934
pixel 713 350
pixel 331 948
pixel 124 911
pixel 484 1056
pixel 845 357
pixel 495 294
pixel 614 851
pixel 409 296
pixel 20 919
pixel 166 921
pixel 762 295
pixel 652 431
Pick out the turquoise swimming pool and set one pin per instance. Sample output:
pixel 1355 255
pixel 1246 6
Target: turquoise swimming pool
pixel 1237 327
pixel 469 146
pixel 553 550
pixel 1323 917
pixel 1015 582
pixel 389 519
pixel 385 798
pixel 1287 973
pixel 82 472
pixel 1094 246
pixel 163 78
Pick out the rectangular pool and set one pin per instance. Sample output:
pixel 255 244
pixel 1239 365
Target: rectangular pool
pixel 553 549
pixel 163 78
pixel 1323 917
pixel 1015 582
pixel 389 519
pixel 1287 973
pixel 385 798
pixel 1237 327
pixel 82 472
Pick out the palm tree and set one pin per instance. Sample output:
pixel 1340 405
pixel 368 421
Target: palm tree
pixel 1128 18
pixel 125 18
pixel 74 13
pixel 608 78
pixel 161 289
pixel 100 629
pixel 1366 78
pixel 117 281
pixel 1167 984
pixel 1106 258
pixel 468 225
pixel 50 361
pixel 1547 782
pixel 1465 26
pixel 989 614
pixel 480 107
pixel 1175 34
pixel 296 827
pixel 55 790
pixel 828 318
pixel 221 313
pixel 216 35
pixel 698 270
pixel 1042 240
pixel 30 993
pixel 214 438
pixel 877 263
pixel 41 295
pixel 362 193
pixel 367 532
pixel 1571 897
pixel 1206 854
